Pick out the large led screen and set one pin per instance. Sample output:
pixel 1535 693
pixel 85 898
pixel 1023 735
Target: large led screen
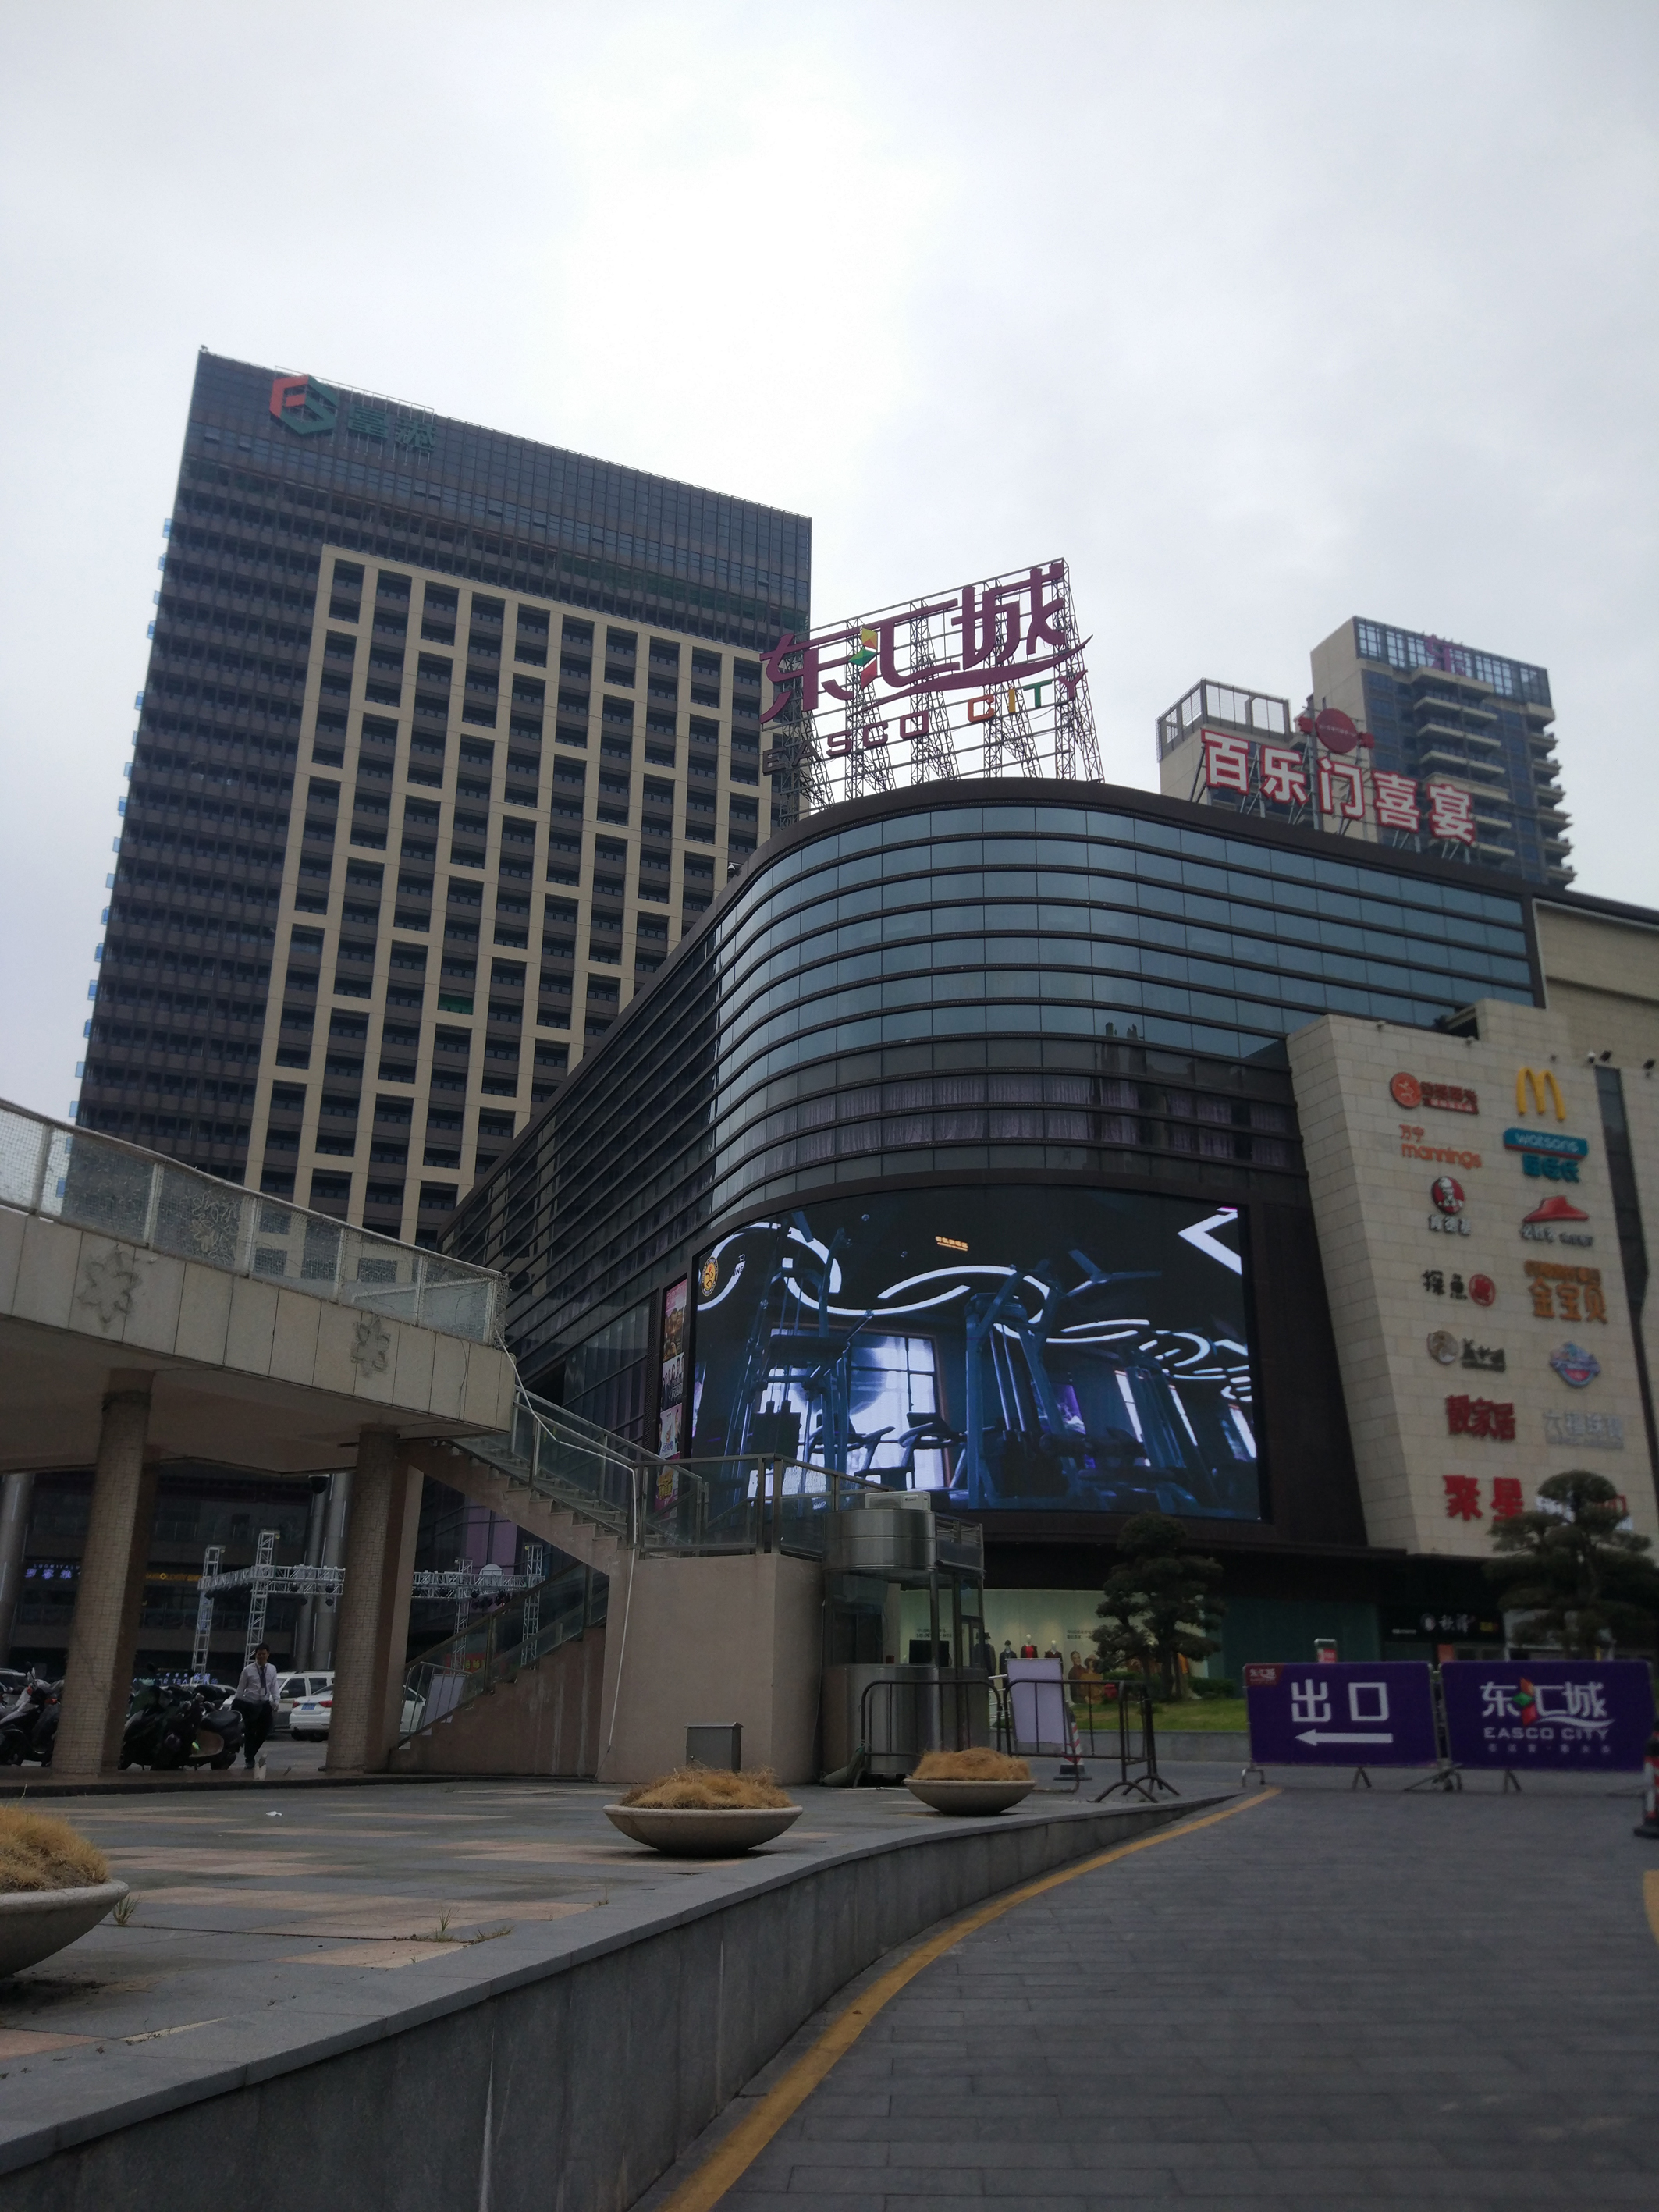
pixel 1020 1347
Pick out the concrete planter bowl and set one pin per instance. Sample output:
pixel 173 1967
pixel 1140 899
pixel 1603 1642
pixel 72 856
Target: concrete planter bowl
pixel 970 1795
pixel 35 1923
pixel 697 1833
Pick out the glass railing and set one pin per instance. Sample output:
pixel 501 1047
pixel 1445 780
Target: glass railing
pixel 740 1503
pixel 100 1183
pixel 496 1648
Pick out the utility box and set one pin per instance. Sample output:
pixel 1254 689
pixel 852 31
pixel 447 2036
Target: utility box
pixel 715 1743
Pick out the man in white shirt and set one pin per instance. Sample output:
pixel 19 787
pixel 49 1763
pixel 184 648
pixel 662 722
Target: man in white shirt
pixel 256 1701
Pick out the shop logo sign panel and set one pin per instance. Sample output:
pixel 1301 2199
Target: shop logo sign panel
pixel 1574 1713
pixel 1379 1713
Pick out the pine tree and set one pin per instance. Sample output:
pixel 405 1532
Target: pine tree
pixel 1159 1601
pixel 1571 1568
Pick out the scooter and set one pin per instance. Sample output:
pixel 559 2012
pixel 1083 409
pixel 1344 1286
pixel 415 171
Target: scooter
pixel 181 1726
pixel 20 1723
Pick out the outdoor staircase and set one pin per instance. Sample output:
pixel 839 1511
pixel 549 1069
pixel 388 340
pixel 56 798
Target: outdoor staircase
pixel 566 1481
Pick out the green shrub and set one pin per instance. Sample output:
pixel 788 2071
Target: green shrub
pixel 1212 1685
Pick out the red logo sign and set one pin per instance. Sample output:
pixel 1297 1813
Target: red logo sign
pixel 1483 1290
pixel 1447 1193
pixel 1556 1209
pixel 1451 1097
pixel 303 405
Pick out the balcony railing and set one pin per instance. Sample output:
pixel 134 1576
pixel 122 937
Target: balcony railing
pixel 140 1198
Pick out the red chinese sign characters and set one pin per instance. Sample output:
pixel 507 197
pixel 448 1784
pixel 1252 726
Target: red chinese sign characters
pixel 1463 1496
pixel 1011 629
pixel 1480 1417
pixel 1346 790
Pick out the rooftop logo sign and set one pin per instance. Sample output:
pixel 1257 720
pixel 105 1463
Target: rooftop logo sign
pixel 985 680
pixel 304 405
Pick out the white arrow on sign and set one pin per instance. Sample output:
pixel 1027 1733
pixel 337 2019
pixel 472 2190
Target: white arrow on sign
pixel 1312 1736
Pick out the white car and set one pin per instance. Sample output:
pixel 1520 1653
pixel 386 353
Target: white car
pixel 311 1716
pixel 290 1690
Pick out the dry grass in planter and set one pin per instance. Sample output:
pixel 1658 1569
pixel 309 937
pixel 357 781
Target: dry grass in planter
pixel 710 1789
pixel 38 1851
pixel 977 1765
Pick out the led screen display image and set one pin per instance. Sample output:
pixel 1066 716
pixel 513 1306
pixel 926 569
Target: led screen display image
pixel 1020 1347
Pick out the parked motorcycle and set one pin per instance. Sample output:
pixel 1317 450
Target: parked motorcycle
pixel 24 1734
pixel 171 1726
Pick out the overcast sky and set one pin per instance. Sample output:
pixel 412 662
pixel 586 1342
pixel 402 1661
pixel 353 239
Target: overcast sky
pixel 1263 315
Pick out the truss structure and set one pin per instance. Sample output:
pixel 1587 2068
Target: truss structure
pixel 989 680
pixel 463 1585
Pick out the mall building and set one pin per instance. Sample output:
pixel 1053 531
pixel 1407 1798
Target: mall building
pixel 1065 1150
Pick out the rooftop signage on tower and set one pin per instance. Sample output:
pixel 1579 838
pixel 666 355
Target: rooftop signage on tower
pixel 985 680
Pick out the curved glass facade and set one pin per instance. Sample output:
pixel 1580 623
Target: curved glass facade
pixel 906 987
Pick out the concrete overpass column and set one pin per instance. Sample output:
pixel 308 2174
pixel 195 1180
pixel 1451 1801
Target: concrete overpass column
pixel 372 1624
pixel 98 1679
pixel 16 1498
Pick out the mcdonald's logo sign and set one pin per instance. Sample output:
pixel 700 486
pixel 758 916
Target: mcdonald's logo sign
pixel 1529 1081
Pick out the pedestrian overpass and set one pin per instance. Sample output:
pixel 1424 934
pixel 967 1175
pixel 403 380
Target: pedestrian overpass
pixel 149 1311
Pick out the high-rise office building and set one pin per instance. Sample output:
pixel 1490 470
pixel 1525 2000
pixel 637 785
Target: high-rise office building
pixel 1478 719
pixel 446 737
pixel 1405 741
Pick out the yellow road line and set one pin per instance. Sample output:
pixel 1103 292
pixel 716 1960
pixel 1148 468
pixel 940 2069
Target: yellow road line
pixel 738 2153
pixel 1651 1898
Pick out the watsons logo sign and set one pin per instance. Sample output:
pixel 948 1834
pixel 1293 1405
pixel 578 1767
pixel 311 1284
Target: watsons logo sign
pixel 1544 1154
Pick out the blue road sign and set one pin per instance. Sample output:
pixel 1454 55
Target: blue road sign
pixel 1342 1713
pixel 1576 1713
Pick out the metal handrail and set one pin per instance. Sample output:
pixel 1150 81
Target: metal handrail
pixel 142 1198
pixel 490 1651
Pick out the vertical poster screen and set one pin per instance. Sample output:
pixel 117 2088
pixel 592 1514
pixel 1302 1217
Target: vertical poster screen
pixel 671 1382
pixel 1023 1347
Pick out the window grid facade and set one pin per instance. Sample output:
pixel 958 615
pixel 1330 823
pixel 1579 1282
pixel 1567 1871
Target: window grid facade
pixel 422 627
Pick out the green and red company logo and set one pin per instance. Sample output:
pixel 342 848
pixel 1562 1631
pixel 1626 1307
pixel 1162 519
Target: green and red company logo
pixel 306 406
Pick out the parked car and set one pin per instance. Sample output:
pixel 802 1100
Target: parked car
pixel 290 1689
pixel 311 1716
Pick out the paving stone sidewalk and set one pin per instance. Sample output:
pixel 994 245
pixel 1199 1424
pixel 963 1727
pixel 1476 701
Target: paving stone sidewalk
pixel 1328 2000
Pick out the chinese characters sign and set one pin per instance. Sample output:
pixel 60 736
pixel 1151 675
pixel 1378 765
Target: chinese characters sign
pixel 1565 1293
pixel 1575 1713
pixel 1340 790
pixel 1408 1091
pixel 1463 1496
pixel 1374 1713
pixel 1479 1417
pixel 986 680
pixel 300 404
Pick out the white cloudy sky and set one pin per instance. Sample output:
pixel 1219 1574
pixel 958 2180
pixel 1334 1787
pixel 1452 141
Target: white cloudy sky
pixel 1262 314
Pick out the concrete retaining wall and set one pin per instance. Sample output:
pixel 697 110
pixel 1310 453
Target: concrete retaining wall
pixel 567 2084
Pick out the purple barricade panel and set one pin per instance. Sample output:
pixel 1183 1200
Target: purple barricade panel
pixel 1576 1713
pixel 1378 1713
